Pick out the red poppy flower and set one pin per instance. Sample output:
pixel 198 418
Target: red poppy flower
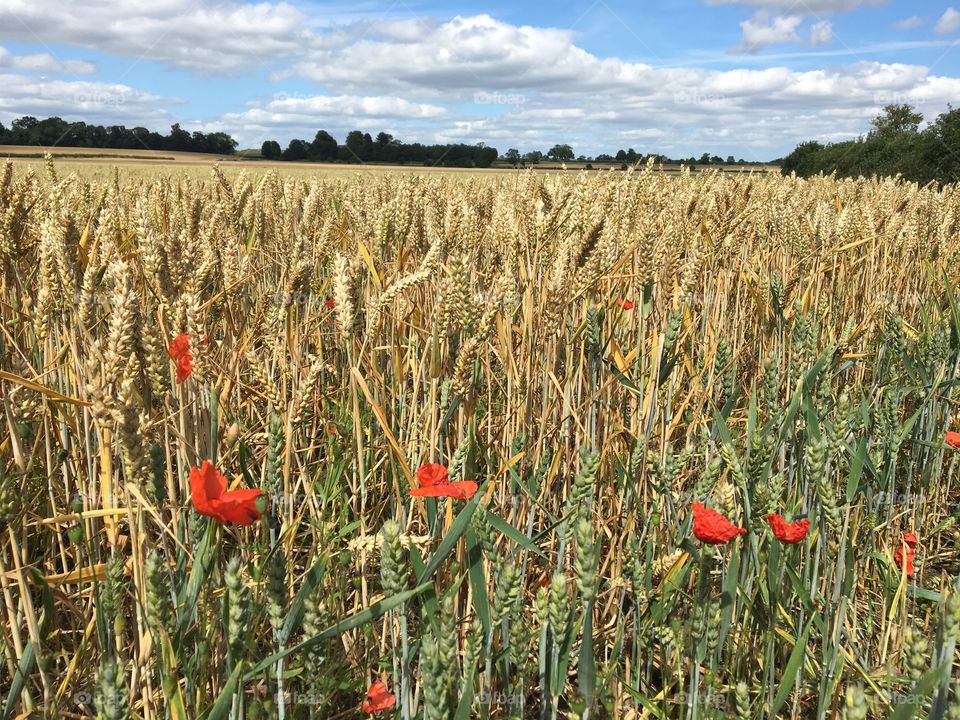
pixel 788 532
pixel 953 439
pixel 625 304
pixel 904 560
pixel 209 490
pixel 330 303
pixel 180 351
pixel 711 527
pixel 435 482
pixel 379 698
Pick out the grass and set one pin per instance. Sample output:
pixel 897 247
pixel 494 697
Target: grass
pixel 792 347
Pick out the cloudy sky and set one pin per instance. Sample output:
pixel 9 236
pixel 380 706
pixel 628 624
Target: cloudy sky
pixel 749 78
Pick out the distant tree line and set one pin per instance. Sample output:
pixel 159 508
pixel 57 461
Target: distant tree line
pixel 564 153
pixel 29 130
pixel 360 147
pixel 894 145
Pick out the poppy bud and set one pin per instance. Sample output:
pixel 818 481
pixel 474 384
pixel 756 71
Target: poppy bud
pixel 233 434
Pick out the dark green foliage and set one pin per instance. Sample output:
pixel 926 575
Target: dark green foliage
pixel 895 146
pixel 29 130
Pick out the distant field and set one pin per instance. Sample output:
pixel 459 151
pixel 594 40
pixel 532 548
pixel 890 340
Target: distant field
pixel 96 163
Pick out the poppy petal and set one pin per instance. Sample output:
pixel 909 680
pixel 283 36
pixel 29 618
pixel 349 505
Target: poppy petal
pixel 206 486
pixel 379 698
pixel 462 490
pixel 904 560
pixel 208 489
pixel 788 532
pixel 239 506
pixel 711 527
pixel 180 351
pixel 431 474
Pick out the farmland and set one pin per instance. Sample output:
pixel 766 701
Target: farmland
pixel 588 356
pixel 100 164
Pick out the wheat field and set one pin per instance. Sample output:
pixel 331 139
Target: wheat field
pixel 596 352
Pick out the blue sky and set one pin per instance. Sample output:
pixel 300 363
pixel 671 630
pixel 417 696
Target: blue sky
pixel 748 78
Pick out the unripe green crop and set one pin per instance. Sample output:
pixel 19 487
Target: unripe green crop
pixel 392 568
pixel 559 606
pixel 159 603
pixel 586 562
pixel 854 704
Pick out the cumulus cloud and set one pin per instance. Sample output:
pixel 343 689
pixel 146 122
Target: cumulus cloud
pixel 208 37
pixel 762 31
pixel 759 31
pixel 476 78
pixel 604 104
pixel 288 116
pixel 802 7
pixel 948 22
pixel 914 21
pixel 535 86
pixel 821 33
pixel 94 102
pixel 44 63
pixel 464 53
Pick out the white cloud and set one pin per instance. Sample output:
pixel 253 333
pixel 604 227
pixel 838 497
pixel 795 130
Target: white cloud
pixel 802 7
pixel 914 21
pixel 537 87
pixel 607 104
pixel 762 31
pixel 208 37
pixel 44 63
pixel 759 31
pixel 92 102
pixel 471 79
pixel 948 22
pixel 465 53
pixel 301 116
pixel 821 33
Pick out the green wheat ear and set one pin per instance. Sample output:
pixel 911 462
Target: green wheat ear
pixel 854 704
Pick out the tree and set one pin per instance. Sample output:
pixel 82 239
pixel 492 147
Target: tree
pixel 533 157
pixel 631 156
pixel 180 139
pixel 704 159
pixel 560 153
pixel 731 160
pixel 512 156
pixel 803 160
pixel 323 148
pixel 271 150
pixel 483 155
pixel 384 138
pixel 940 141
pixel 296 150
pixel 354 145
pixel 29 130
pixel 219 143
pixel 895 120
